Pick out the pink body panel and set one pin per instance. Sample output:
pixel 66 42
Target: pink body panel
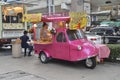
pixel 88 50
pixel 43 47
pixel 104 51
pixel 68 50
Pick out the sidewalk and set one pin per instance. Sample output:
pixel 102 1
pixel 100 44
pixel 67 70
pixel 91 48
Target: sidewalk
pixel 18 68
pixel 5 51
pixel 30 68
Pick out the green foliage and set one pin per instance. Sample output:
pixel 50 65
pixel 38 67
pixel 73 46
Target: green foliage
pixel 114 52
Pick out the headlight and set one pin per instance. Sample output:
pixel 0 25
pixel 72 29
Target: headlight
pixel 79 47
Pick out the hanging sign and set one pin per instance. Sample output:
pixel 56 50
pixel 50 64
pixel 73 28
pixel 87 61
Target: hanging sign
pixel 78 20
pixel 32 17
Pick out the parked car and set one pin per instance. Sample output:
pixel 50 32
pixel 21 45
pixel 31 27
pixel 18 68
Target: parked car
pixel 97 39
pixel 109 34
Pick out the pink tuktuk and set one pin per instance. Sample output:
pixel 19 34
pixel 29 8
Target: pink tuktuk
pixel 70 45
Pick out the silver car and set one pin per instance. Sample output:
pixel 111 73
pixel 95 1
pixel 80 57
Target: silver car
pixel 109 34
pixel 97 39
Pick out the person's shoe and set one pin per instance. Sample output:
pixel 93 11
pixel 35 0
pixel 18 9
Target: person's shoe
pixel 24 54
pixel 29 55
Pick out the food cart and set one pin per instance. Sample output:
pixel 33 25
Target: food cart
pixel 68 41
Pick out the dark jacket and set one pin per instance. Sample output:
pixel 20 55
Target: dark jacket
pixel 24 40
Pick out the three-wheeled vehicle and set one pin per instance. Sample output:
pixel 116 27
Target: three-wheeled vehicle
pixel 66 43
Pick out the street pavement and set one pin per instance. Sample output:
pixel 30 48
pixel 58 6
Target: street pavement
pixel 5 51
pixel 30 68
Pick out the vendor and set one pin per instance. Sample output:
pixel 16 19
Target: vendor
pixel 45 35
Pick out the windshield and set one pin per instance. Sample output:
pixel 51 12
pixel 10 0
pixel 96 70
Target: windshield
pixel 75 34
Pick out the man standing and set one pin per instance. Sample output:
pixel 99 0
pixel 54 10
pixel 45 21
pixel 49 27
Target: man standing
pixel 25 45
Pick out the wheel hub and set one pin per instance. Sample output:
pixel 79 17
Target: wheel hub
pixel 43 58
pixel 89 62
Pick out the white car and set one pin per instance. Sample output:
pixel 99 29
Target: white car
pixel 97 39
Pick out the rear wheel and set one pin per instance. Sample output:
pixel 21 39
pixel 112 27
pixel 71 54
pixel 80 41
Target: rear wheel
pixel 43 57
pixel 90 63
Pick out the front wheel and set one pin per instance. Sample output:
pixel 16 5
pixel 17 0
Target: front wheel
pixel 43 57
pixel 90 63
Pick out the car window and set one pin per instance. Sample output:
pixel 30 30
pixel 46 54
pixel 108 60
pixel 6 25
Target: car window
pixel 102 30
pixel 61 37
pixel 75 34
pixel 94 30
pixel 64 38
pixel 109 31
pixel 98 30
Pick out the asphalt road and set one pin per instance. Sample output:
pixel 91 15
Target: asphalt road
pixel 55 70
pixel 30 68
pixel 5 51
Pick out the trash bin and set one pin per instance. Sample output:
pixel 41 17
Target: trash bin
pixel 16 49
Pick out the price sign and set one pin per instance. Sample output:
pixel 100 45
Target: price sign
pixel 32 17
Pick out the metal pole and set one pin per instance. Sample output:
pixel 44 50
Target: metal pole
pixel 51 6
pixel 0 18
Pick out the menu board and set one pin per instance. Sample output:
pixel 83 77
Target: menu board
pixel 32 17
pixel 13 26
pixel 9 34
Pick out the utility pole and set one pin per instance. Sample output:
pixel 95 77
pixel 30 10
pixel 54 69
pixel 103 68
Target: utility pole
pixel 51 6
pixel 77 5
pixel 0 18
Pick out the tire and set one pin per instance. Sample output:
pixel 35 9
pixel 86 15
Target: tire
pixel 90 63
pixel 43 57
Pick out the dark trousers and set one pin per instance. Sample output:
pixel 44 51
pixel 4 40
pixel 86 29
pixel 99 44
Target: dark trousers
pixel 30 50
